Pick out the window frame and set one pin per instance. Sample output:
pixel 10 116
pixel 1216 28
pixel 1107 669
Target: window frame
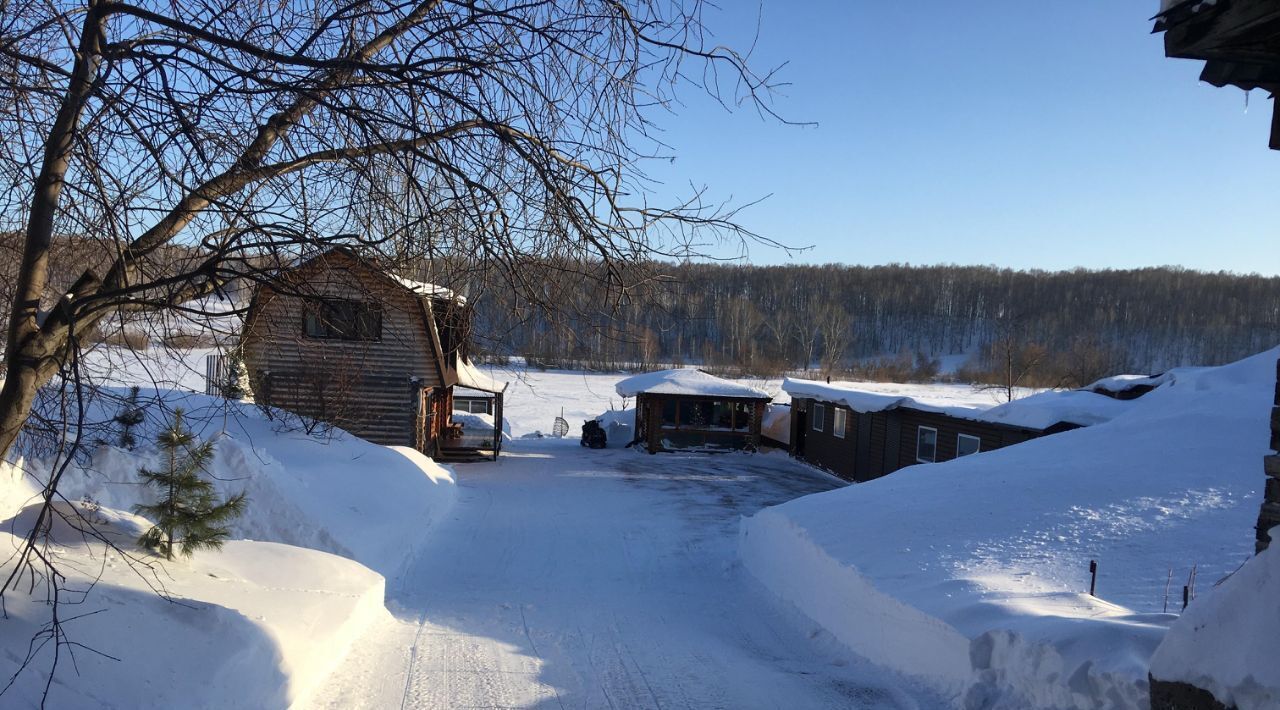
pixel 819 416
pixel 920 430
pixel 960 437
pixel 839 422
pixel 322 312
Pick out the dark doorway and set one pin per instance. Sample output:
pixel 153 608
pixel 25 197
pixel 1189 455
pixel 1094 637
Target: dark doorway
pixel 799 427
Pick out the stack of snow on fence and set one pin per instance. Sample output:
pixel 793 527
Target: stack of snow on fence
pixel 973 574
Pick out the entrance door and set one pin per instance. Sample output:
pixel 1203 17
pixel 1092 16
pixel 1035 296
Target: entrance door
pixel 424 425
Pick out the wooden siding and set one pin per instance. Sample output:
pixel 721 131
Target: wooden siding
pixel 878 443
pixel 369 388
pixel 649 424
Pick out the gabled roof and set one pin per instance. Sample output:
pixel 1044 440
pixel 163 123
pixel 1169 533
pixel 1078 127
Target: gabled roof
pixel 687 382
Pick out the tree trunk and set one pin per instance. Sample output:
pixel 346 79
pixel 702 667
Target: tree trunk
pixel 29 355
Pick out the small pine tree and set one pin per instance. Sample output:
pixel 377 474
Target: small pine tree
pixel 188 514
pixel 129 416
pixel 236 384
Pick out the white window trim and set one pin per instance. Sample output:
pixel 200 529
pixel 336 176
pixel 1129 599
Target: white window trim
pixel 920 430
pixel 968 436
pixel 819 416
pixel 839 422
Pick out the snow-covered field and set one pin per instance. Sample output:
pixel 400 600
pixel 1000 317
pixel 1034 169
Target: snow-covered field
pixel 974 573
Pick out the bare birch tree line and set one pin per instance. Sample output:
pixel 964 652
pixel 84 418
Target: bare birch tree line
pixel 898 321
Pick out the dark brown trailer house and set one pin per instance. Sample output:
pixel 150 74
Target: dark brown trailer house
pixel 339 340
pixel 859 435
pixel 690 410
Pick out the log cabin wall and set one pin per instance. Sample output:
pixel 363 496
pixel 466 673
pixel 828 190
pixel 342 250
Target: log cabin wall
pixel 1269 516
pixel 368 387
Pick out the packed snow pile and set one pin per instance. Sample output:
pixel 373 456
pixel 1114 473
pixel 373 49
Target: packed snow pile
pixel 256 624
pixel 619 426
pixel 1228 641
pixel 974 573
pixel 337 493
pixel 686 381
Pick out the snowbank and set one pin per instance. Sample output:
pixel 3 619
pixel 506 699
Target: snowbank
pixel 256 624
pixel 1228 641
pixel 686 381
pixel 619 427
pixel 339 494
pixel 979 564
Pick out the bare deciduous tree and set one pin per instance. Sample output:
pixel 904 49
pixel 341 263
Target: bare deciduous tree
pixel 196 142
pixel 187 145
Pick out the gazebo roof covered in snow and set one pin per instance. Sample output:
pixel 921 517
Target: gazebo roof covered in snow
pixel 687 382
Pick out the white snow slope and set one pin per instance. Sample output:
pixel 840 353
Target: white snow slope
pixel 257 624
pixel 972 573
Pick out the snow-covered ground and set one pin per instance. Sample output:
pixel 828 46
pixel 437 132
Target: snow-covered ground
pixel 566 577
pixel 973 573
pixel 578 578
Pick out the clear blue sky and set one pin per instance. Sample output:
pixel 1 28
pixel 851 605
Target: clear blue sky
pixel 1024 134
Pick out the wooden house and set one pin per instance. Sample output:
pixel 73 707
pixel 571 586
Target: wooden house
pixel 859 435
pixel 686 409
pixel 1239 41
pixel 339 340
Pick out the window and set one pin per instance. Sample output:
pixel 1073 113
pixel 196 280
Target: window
pixel 819 413
pixel 668 412
pixel 926 444
pixel 471 406
pixel 966 445
pixel 695 414
pixel 338 319
pixel 838 421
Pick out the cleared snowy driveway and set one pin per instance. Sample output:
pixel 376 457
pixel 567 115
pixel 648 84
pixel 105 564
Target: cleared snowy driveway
pixel 570 578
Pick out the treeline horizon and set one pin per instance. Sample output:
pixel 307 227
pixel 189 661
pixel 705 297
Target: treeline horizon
pixel 892 321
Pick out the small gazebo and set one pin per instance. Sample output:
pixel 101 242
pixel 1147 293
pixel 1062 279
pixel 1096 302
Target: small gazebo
pixel 690 410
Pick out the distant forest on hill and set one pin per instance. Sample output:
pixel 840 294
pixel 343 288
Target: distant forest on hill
pixel 901 321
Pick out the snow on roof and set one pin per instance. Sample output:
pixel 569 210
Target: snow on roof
pixel 687 382
pixel 470 377
pixel 853 396
pixel 1043 410
pixel 1037 411
pixel 422 288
